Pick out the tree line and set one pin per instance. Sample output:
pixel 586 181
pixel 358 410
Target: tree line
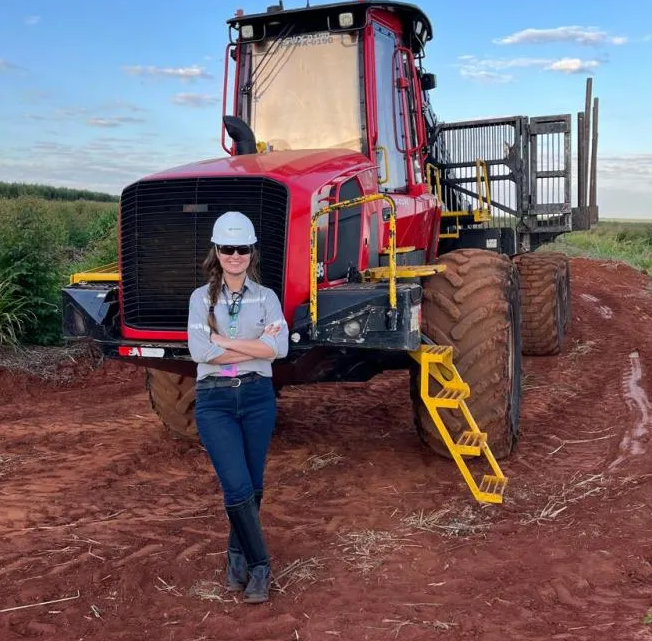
pixel 47 192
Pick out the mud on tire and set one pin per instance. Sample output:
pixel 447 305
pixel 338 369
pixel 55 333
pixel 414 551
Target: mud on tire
pixel 564 264
pixel 545 300
pixel 475 306
pixel 173 399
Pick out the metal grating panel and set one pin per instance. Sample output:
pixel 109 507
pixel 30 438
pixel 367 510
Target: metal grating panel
pixel 502 144
pixel 528 161
pixel 166 228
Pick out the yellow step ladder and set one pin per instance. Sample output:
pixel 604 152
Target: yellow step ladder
pixel 437 361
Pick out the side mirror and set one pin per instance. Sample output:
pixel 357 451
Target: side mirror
pixel 428 81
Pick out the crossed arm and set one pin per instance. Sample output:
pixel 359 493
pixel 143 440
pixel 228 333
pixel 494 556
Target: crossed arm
pixel 240 350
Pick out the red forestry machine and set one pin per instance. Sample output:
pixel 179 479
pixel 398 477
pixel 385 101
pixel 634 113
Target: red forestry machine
pixel 393 240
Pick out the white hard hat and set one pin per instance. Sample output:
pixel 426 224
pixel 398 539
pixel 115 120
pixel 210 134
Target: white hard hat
pixel 233 228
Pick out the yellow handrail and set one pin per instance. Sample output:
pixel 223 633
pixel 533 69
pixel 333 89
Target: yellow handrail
pixel 345 204
pixel 482 176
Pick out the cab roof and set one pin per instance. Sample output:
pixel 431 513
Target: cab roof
pixel 325 18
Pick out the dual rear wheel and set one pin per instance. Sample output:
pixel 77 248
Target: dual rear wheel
pixel 492 310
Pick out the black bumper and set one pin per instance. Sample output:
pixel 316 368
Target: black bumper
pixel 91 311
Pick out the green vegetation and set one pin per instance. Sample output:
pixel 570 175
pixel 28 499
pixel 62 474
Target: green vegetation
pixel 13 313
pixel 16 190
pixel 41 243
pixel 629 242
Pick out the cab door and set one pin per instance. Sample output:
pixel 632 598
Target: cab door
pixel 392 172
pixel 399 141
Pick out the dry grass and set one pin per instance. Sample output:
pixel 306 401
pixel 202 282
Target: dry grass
pixel 445 521
pixel 527 381
pixel 581 348
pixel 319 461
pixel 298 571
pixel 569 494
pixel 367 550
pixel 210 591
pixel 164 586
pixel 53 364
pixel 558 391
pixel 396 625
pixel 647 620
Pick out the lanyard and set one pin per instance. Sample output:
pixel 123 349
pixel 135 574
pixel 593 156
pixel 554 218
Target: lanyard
pixel 233 310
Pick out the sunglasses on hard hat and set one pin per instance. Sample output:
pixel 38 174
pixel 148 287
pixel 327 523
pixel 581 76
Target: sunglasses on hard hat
pixel 229 250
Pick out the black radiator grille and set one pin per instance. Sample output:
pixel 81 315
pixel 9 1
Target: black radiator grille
pixel 163 246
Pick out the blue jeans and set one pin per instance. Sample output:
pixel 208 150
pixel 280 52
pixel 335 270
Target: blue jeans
pixel 236 425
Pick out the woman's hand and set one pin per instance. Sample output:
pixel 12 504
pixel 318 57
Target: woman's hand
pixel 220 341
pixel 272 329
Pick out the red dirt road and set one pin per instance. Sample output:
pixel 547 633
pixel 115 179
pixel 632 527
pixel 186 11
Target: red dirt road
pixel 96 502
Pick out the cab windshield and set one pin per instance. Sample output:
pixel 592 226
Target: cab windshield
pixel 303 91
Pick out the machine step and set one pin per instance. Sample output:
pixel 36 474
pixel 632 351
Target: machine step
pixel 470 443
pixel 436 361
pixel 493 487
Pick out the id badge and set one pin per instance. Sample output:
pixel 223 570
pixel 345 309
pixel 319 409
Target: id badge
pixel 229 370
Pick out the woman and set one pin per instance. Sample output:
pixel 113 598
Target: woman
pixel 236 329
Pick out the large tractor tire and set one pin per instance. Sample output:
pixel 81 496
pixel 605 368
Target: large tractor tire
pixel 545 299
pixel 474 305
pixel 173 398
pixel 564 264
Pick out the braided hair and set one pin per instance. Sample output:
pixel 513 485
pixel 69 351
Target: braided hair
pixel 213 273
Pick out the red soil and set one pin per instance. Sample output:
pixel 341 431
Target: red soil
pixel 96 501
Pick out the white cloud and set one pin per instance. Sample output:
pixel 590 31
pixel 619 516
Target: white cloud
pixel 194 100
pixel 506 63
pixel 636 167
pixel 67 113
pixel 184 73
pixel 121 105
pixel 113 122
pixel 105 164
pixel 573 65
pixel 590 36
pixel 488 69
pixel 94 116
pixel 482 75
pixel 32 20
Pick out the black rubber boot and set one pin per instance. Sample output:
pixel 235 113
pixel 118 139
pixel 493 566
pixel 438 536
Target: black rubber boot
pixel 237 575
pixel 245 520
pixel 260 580
pixel 236 571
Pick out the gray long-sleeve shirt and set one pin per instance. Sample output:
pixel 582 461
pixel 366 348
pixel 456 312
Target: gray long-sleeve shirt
pixel 259 307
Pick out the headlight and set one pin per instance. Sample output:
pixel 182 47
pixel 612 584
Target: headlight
pixel 346 20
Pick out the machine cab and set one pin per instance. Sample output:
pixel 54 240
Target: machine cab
pixel 337 76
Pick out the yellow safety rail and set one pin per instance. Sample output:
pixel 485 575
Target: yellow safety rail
pixel 353 202
pixel 105 273
pixel 436 173
pixel 480 215
pixel 437 361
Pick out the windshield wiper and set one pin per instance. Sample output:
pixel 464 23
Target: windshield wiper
pixel 264 61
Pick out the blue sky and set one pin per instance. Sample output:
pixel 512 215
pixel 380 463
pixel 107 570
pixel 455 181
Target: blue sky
pixel 98 94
